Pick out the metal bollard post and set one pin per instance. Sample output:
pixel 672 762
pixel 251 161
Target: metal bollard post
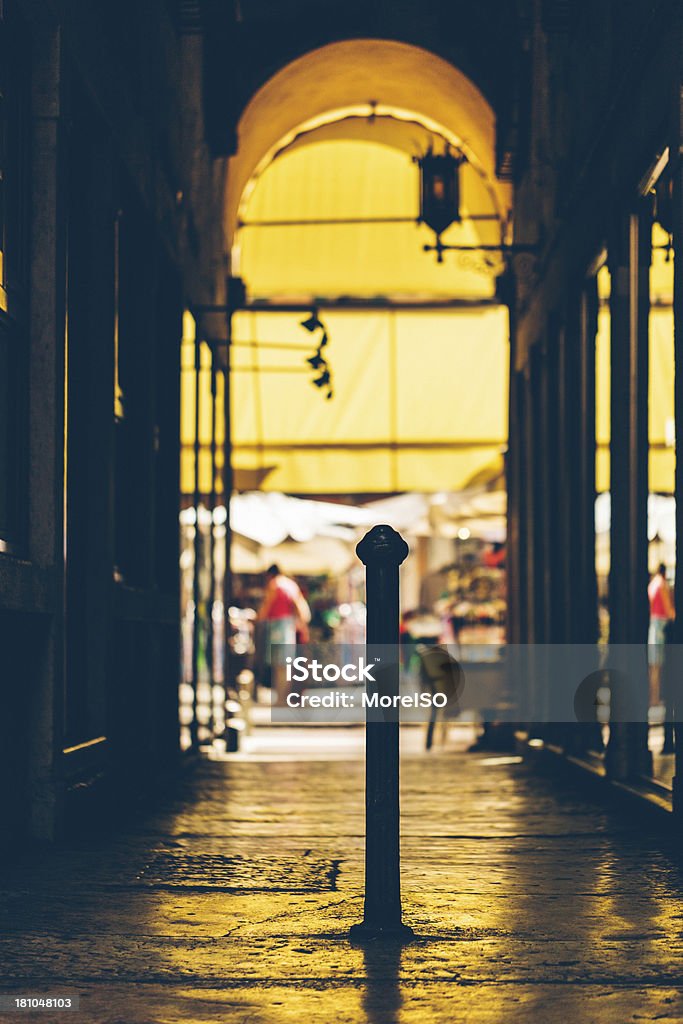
pixel 382 550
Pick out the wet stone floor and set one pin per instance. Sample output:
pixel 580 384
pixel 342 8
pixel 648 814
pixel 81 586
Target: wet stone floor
pixel 233 903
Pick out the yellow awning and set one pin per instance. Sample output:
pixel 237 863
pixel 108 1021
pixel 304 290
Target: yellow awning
pixel 360 180
pixel 420 400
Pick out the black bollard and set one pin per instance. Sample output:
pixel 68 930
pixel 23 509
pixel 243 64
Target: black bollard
pixel 382 550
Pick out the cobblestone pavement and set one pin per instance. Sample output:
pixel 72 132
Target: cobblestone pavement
pixel 233 903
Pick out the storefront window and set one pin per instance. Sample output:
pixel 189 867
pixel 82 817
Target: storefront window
pixel 662 498
pixel 661 432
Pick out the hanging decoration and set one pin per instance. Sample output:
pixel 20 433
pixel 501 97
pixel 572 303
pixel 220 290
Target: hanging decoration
pixel 317 361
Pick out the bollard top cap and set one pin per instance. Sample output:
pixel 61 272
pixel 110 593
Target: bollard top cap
pixel 382 545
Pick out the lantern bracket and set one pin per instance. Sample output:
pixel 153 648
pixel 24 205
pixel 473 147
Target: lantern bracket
pixel 506 250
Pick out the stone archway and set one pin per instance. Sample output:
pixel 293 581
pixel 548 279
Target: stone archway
pixel 357 73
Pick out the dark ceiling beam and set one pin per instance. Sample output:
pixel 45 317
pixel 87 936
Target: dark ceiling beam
pixel 221 81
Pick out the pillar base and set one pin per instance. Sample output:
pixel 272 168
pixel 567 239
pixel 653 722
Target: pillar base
pixel 364 933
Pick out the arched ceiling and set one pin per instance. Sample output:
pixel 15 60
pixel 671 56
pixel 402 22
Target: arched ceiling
pixel 247 42
pixel 308 146
pixel 358 73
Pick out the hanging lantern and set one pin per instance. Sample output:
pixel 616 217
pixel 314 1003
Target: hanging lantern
pixel 439 192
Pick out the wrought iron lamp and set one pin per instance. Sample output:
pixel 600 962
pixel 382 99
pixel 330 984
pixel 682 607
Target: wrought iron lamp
pixel 440 192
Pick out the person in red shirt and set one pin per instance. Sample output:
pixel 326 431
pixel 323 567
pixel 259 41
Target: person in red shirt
pixel 285 610
pixel 661 612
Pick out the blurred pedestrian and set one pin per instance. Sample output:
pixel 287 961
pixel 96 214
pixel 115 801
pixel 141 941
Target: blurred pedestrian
pixel 661 612
pixel 285 610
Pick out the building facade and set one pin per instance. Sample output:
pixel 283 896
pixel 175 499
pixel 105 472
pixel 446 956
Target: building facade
pixel 598 195
pixel 117 124
pixel 108 193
